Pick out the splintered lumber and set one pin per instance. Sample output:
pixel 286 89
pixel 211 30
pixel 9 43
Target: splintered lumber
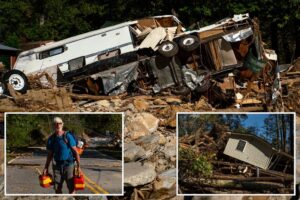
pixel 233 184
pixel 262 171
pixel 12 92
pixel 293 73
pixel 229 163
pixel 251 179
pixel 184 146
pixel 290 81
pixel 274 173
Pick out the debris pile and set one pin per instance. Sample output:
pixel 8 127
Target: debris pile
pixel 41 100
pixel 290 80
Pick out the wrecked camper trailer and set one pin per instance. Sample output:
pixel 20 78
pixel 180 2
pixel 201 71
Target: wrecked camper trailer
pixel 163 56
pixel 79 51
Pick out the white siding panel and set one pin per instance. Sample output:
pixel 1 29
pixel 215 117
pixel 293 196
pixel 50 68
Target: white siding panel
pixel 255 153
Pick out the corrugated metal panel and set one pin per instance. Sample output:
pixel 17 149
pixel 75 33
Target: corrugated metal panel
pixel 255 152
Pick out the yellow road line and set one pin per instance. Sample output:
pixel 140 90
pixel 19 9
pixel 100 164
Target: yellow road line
pixel 91 188
pixel 96 185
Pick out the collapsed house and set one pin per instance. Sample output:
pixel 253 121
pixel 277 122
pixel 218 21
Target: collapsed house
pixel 152 55
pixel 256 151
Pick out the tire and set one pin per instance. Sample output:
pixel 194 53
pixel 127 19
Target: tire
pixel 17 80
pixel 189 43
pixel 2 88
pixel 168 49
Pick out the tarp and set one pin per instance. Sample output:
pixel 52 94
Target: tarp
pixel 6 50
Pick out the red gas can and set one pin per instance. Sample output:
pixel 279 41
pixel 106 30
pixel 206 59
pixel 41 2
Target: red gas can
pixel 79 182
pixel 78 179
pixel 45 180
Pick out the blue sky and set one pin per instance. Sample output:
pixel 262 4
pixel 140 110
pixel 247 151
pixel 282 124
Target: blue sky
pixel 256 120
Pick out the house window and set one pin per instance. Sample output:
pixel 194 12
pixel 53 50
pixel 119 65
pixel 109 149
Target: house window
pixel 241 145
pixel 51 52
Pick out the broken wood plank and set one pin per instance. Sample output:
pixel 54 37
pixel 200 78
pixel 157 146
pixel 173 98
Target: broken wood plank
pixel 153 38
pixel 250 179
pixel 242 109
pixel 232 184
pixel 290 81
pixel 12 92
pixel 95 97
pixel 248 101
pixel 293 73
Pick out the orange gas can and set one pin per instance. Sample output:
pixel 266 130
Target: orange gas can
pixel 45 180
pixel 78 180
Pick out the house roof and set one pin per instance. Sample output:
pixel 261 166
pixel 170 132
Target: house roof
pixel 255 137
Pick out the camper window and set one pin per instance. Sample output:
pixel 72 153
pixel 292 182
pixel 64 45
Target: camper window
pixel 109 54
pixel 76 63
pixel 241 145
pixel 51 52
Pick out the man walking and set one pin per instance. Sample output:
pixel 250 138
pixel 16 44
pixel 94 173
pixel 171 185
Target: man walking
pixel 61 148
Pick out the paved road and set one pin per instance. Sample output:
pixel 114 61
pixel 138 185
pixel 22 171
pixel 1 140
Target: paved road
pixel 103 174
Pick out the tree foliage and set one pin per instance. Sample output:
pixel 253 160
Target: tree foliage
pixel 194 163
pixel 189 123
pixel 31 129
pixel 33 20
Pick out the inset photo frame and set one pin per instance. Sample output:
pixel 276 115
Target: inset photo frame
pixel 52 154
pixel 221 154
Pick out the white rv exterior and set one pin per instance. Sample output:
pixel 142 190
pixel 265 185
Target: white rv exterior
pixel 87 48
pixel 88 45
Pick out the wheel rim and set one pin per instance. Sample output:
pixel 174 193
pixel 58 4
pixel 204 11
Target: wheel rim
pixel 1 88
pixel 16 81
pixel 167 47
pixel 188 41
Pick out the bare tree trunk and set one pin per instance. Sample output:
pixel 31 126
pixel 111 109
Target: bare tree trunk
pixel 286 47
pixel 277 132
pixel 274 36
pixel 297 48
pixel 291 122
pixel 283 132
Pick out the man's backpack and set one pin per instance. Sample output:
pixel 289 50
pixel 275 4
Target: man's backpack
pixel 80 144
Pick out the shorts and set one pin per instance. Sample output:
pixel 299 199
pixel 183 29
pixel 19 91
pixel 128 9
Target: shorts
pixel 63 173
